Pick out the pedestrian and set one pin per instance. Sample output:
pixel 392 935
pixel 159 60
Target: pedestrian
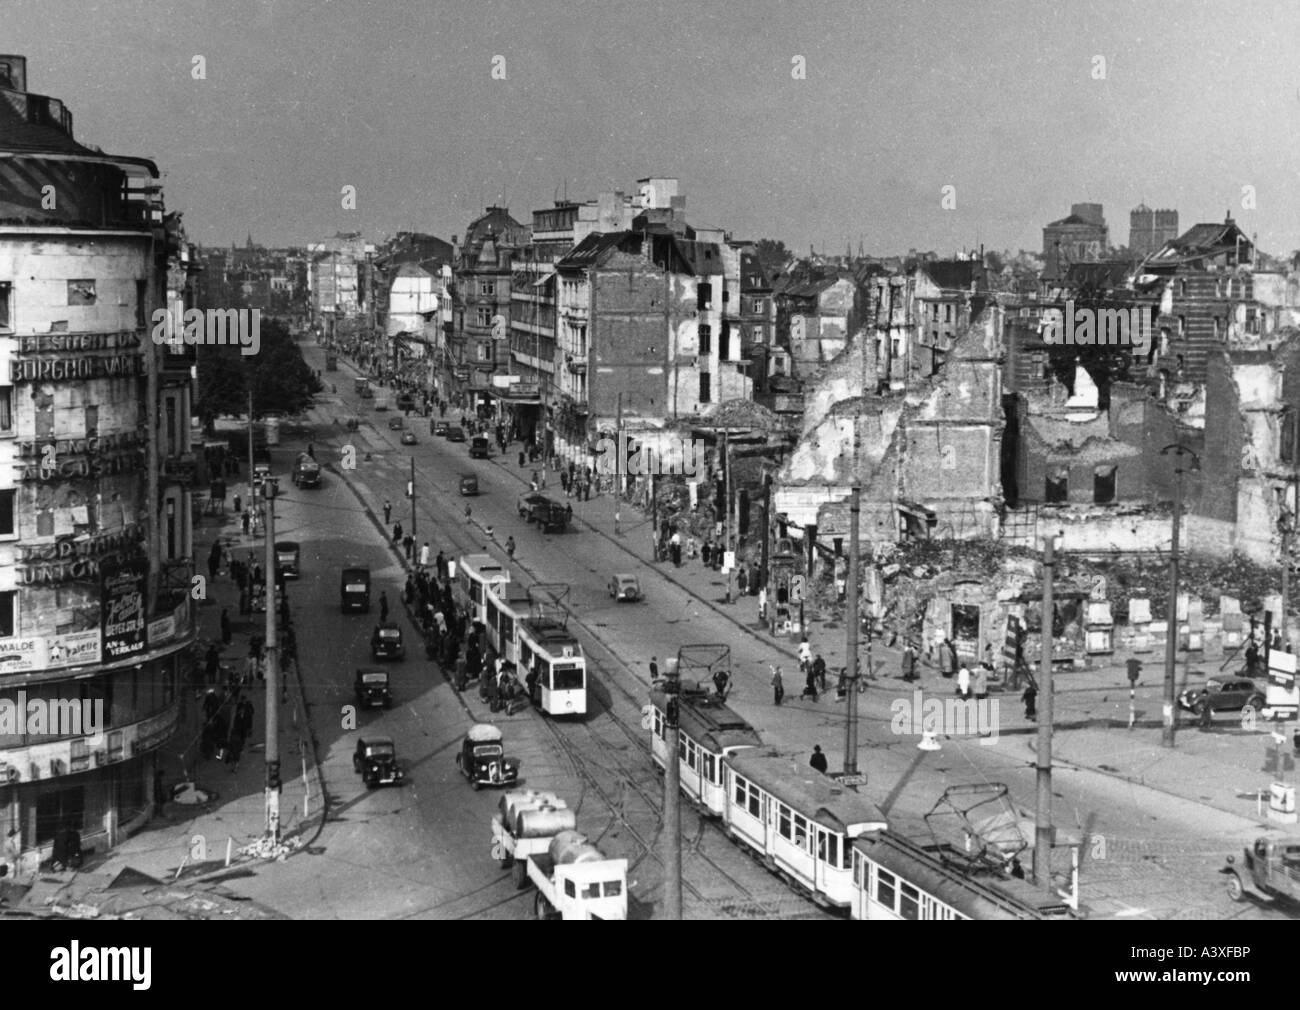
pixel 654 668
pixel 909 662
pixel 1030 698
pixel 818 759
pixel 311 451
pixel 805 654
pixel 388 512
pixel 947 658
pixel 383 607
pixel 692 548
pixel 617 518
pixel 510 547
pixel 238 504
pixel 778 686
pixel 245 602
pixel 809 684
pixel 706 553
pixel 408 544
pixel 742 582
pixel 211 665
pixel 981 683
pixel 244 520
pixel 397 532
pixel 568 515
pixel 226 633
pixel 1252 660
pixel 721 680
pixel 762 604
pixel 521 458
pixel 963 682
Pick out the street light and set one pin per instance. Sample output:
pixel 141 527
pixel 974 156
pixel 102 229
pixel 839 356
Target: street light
pixel 1170 715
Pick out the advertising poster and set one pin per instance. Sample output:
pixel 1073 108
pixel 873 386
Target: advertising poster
pixel 123 606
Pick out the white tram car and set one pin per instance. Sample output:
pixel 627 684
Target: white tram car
pixel 800 822
pixel 549 650
pixel 895 878
pixel 507 606
pixel 709 732
pixel 475 574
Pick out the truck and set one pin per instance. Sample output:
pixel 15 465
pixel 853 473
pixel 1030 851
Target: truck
pixel 1269 870
pixel 574 880
pixel 306 471
pixel 526 821
pixel 381 401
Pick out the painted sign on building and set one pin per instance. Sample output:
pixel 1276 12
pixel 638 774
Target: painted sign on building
pixel 123 607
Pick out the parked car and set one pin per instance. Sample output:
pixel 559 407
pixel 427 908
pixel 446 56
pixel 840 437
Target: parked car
pixel 625 587
pixel 482 759
pixel 439 428
pixel 408 438
pixel 479 447
pixel 395 423
pixel 468 484
pixel 526 501
pixel 455 433
pixel 375 760
pixel 405 401
pixel 1223 696
pixel 386 642
pixel 371 687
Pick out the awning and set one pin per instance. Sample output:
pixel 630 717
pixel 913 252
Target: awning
pixel 502 394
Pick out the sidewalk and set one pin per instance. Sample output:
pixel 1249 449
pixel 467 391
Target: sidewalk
pixel 184 847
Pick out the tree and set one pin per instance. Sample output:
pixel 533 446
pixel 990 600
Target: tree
pixel 278 376
pixel 772 255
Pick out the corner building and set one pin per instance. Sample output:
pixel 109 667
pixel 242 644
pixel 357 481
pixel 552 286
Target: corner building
pixel 95 472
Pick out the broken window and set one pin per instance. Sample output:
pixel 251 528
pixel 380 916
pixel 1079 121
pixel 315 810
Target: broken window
pixel 1058 485
pixel 81 292
pixel 1103 484
pixel 705 296
pixel 966 626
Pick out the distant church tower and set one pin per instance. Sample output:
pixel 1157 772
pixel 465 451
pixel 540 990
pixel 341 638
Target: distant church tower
pixel 1149 229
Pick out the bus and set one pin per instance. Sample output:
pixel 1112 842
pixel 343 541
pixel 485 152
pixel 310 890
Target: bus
pixel 507 605
pixel 473 576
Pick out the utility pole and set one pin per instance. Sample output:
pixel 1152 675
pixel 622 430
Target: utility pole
pixel 767 527
pixel 251 491
pixel 1043 813
pixel 272 678
pixel 851 636
pixel 672 801
pixel 1286 522
pixel 726 507
pixel 413 529
pixel 1170 721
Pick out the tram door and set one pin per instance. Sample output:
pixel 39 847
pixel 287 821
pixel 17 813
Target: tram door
pixel 827 854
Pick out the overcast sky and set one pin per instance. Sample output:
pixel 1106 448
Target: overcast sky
pixel 396 97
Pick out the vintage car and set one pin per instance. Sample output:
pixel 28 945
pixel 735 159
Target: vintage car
pixel 366 393
pixel 482 759
pixel 306 471
pixel 287 553
pixel 468 484
pixel 408 438
pixel 405 401
pixel 526 501
pixel 386 642
pixel 439 428
pixel 479 447
pixel 550 516
pixel 455 434
pixel 354 588
pixel 360 384
pixel 1270 870
pixel 371 687
pixel 1223 696
pixel 395 423
pixel 625 587
pixel 375 760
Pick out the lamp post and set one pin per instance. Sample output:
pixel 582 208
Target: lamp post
pixel 1170 720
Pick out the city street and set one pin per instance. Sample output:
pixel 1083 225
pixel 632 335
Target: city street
pixel 1160 853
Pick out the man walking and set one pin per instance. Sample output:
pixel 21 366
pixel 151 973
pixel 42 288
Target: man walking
pixel 1030 698
pixel 909 663
pixel 778 686
pixel 947 658
pixel 424 556
pixel 388 512
pixel 963 682
pixel 510 547
pixel 408 545
pixel 809 684
pixel 818 759
pixel 981 683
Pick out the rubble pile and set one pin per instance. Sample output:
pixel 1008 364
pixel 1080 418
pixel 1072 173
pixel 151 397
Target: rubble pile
pixel 265 848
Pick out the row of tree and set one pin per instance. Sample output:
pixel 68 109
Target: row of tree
pixel 277 376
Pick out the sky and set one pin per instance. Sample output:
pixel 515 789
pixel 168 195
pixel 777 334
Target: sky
pixel 1022 107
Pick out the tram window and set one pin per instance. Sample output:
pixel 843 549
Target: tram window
pixel 755 802
pixel 908 900
pixel 846 853
pixel 821 846
pixel 800 832
pixel 691 754
pixel 832 849
pixel 857 870
pixel 567 677
pixel 613 888
pixel 591 891
pixel 569 889
pixel 783 820
pixel 742 791
pixel 681 748
pixel 659 724
pixel 885 888
pixel 710 767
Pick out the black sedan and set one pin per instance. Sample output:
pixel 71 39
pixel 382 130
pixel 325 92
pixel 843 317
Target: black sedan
pixel 386 642
pixel 1223 696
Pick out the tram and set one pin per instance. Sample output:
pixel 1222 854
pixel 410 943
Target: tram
pixel 799 822
pixel 895 878
pixel 507 605
pixel 555 664
pixel 708 732
pixel 474 574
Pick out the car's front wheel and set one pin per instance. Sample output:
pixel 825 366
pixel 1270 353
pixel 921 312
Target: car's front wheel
pixel 1235 889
